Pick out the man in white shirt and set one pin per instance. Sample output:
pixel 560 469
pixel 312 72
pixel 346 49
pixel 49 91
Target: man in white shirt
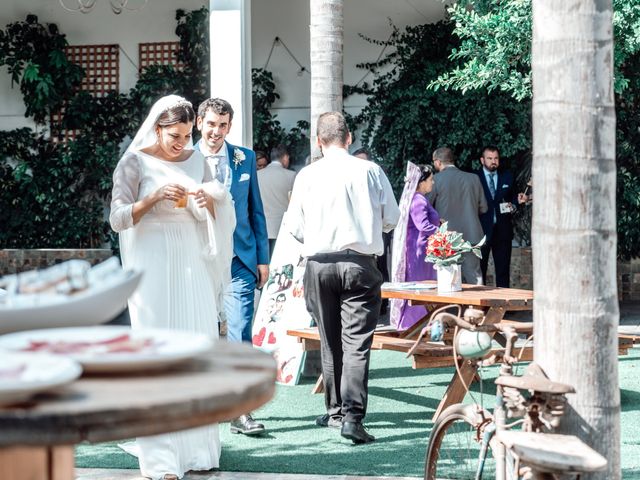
pixel 276 183
pixel 339 208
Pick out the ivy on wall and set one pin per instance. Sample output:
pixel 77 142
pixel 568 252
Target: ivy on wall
pixel 35 58
pixel 267 129
pixel 54 194
pixel 404 121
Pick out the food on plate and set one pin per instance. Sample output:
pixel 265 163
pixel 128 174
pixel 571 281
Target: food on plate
pixel 120 344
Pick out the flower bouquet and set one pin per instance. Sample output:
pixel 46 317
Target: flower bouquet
pixel 445 250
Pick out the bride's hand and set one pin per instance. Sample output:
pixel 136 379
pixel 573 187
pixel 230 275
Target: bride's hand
pixel 170 191
pixel 203 199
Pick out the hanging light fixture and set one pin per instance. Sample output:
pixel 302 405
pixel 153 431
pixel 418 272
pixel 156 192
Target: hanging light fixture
pixel 86 6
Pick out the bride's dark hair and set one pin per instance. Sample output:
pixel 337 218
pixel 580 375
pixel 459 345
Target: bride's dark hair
pixel 425 172
pixel 180 113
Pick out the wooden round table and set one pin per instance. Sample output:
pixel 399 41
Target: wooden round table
pixel 37 439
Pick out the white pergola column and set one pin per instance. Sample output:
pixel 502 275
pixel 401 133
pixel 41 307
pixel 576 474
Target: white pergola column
pixel 230 51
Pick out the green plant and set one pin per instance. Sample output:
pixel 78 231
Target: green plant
pixel 53 194
pixel 403 120
pixel 267 130
pixel 45 196
pixel 493 53
pixel 495 45
pixel 35 58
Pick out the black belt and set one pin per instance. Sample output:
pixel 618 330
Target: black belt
pixel 346 252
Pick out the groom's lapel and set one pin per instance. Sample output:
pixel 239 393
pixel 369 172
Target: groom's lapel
pixel 232 165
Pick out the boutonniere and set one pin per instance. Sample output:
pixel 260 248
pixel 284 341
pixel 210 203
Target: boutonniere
pixel 238 157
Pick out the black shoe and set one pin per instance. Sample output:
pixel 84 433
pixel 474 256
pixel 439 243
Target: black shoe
pixel 356 432
pixel 246 425
pixel 328 421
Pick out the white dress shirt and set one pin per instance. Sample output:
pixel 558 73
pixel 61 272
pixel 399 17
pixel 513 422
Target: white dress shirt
pixel 341 202
pixel 219 162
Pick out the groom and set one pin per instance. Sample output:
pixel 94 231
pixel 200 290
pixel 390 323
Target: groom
pixel 236 169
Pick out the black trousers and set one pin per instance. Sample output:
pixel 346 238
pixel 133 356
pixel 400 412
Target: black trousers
pixel 272 246
pixel 342 294
pixel 500 247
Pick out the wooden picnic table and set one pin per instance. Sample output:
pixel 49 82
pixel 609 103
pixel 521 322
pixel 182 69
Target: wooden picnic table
pixel 495 302
pixel 37 438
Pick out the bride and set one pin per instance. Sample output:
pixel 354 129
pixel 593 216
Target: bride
pixel 176 224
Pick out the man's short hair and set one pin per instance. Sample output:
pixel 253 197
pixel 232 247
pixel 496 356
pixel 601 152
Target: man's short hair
pixel 216 105
pixel 361 151
pixel 490 148
pixel 278 152
pixel 332 129
pixel 445 155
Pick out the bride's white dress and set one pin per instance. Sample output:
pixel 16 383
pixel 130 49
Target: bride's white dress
pixel 185 255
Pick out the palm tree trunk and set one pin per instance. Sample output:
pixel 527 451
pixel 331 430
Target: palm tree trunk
pixel 574 221
pixel 327 32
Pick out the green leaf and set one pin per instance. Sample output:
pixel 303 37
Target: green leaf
pixel 31 73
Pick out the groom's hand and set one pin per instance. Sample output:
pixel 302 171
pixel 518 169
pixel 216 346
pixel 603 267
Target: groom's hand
pixel 263 275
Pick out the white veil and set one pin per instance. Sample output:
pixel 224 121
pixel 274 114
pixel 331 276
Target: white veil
pixel 399 247
pixel 146 135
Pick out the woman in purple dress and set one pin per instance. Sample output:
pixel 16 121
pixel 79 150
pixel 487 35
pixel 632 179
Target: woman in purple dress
pixel 422 221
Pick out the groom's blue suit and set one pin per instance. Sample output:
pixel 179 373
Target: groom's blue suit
pixel 250 244
pixel 250 239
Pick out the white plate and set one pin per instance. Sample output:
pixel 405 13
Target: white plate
pixel 25 374
pixel 96 349
pixel 97 304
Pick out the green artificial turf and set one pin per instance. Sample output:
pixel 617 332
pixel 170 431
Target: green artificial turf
pixel 401 403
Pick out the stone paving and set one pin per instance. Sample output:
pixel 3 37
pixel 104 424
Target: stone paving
pixel 104 474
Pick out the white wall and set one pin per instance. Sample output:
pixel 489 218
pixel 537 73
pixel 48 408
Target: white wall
pixel 287 19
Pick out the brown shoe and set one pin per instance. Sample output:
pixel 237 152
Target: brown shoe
pixel 170 476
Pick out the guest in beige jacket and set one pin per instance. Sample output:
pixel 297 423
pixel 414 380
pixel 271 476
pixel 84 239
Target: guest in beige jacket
pixel 276 183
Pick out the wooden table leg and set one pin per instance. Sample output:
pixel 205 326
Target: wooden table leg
pixel 37 463
pixel 319 386
pixel 62 462
pixel 457 387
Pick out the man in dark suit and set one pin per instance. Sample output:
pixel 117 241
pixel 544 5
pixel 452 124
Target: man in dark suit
pixel 499 190
pixel 236 169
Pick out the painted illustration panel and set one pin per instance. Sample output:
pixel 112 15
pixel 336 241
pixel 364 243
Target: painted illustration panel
pixel 281 308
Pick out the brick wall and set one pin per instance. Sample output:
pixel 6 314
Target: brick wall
pixel 15 261
pixel 522 274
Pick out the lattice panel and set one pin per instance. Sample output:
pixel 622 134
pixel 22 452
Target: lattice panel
pixel 101 64
pixel 158 53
